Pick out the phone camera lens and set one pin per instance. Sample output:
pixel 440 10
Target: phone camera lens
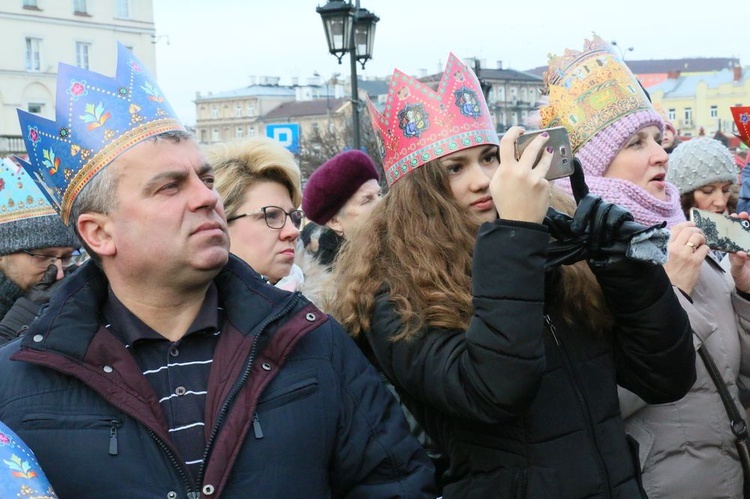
pixel 563 151
pixel 745 224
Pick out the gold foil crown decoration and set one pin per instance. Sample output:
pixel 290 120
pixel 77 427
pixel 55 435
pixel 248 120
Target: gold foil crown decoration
pixel 589 90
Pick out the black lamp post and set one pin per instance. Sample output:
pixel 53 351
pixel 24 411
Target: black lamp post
pixel 350 29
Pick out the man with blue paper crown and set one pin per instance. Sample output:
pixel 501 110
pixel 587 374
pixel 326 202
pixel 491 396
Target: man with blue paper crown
pixel 166 367
pixel 35 249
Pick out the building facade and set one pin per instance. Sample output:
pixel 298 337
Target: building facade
pixel 37 34
pixel 699 104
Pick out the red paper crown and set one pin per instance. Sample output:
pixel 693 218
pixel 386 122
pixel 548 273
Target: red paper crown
pixel 420 124
pixel 742 120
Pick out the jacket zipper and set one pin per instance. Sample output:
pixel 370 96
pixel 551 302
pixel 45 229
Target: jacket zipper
pixel 256 427
pixel 113 447
pixel 176 464
pixel 582 401
pixel 238 386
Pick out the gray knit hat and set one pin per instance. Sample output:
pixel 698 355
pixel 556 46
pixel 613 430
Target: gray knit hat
pixel 698 162
pixel 27 220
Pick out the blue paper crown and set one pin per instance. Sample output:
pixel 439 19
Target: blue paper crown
pixel 97 119
pixel 20 196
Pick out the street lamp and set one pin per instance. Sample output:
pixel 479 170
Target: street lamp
pixel 619 48
pixel 350 29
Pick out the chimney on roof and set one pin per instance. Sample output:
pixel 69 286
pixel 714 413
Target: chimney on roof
pixel 422 72
pixel 252 79
pixel 673 75
pixel 295 81
pixel 499 64
pixel 737 73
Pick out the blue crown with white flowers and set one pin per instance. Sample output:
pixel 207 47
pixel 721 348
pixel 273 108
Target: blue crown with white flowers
pixel 97 118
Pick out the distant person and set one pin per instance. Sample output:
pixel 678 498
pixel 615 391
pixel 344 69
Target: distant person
pixel 166 367
pixel 259 183
pixel 340 194
pixel 35 250
pixel 669 139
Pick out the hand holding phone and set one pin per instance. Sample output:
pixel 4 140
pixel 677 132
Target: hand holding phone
pixel 562 157
pixel 723 233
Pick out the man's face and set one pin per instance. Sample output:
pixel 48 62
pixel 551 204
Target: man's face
pixel 168 226
pixel 26 269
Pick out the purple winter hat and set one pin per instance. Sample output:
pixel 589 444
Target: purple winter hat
pixel 334 182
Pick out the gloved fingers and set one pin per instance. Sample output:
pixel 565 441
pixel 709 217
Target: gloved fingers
pixel 558 223
pixel 586 208
pixel 578 181
pixel 50 276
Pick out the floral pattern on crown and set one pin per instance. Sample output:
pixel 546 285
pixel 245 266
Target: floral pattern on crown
pixel 420 124
pixel 589 90
pixel 741 115
pixel 97 118
pixel 20 196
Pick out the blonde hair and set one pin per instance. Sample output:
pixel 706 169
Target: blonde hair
pixel 421 254
pixel 240 164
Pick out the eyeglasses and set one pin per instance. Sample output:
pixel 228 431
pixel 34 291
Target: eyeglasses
pixel 66 261
pixel 275 216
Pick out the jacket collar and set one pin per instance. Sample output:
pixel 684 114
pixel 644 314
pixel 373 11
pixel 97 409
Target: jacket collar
pixel 73 316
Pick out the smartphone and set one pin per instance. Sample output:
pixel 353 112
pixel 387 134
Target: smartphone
pixel 562 158
pixel 723 233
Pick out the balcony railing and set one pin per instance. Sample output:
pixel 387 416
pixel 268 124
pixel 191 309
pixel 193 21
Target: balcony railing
pixel 11 144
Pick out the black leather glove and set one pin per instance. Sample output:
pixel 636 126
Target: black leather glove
pixel 598 231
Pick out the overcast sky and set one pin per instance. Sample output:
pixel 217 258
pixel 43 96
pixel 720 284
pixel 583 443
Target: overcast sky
pixel 218 45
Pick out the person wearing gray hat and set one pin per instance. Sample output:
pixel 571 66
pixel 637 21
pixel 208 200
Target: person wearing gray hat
pixel 704 172
pixel 35 249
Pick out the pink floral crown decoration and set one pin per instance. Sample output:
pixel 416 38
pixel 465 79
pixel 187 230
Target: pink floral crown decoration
pixel 741 115
pixel 589 90
pixel 420 124
pixel 97 119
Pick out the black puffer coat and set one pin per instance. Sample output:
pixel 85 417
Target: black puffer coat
pixel 525 406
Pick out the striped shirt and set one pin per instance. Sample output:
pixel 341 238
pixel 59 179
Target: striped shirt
pixel 178 370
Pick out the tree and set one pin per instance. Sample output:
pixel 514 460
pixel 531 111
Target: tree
pixel 324 142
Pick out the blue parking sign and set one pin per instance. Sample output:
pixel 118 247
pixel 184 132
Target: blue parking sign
pixel 287 134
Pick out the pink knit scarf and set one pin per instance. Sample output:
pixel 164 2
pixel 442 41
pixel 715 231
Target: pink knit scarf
pixel 645 208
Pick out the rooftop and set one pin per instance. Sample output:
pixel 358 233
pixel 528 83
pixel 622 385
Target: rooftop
pixel 299 109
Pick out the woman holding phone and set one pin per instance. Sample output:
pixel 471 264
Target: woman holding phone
pixel 510 368
pixel 686 447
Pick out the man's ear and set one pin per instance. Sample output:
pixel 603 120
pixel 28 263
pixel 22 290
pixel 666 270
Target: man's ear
pixel 335 225
pixel 94 229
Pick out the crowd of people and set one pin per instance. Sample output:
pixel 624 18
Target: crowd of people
pixel 188 322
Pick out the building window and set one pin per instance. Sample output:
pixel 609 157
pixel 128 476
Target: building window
pixel 215 135
pixel 688 116
pixel 500 94
pixel 239 132
pixel 251 132
pixel 33 54
pixel 79 7
pixel 214 112
pixel 30 4
pixel 35 108
pixel 250 110
pixel 204 135
pixel 122 9
pixel 238 111
pixel 714 111
pixel 82 54
pixel 672 114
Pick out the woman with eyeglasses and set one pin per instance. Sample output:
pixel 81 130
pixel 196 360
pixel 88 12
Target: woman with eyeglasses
pixel 259 182
pixel 35 250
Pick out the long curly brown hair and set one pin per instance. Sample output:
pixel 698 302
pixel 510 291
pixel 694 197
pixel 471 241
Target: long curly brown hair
pixel 418 244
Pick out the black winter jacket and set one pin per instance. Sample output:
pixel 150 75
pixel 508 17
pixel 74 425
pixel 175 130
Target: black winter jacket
pixel 293 408
pixel 523 405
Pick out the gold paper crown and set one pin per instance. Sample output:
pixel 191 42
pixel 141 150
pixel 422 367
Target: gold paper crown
pixel 590 90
